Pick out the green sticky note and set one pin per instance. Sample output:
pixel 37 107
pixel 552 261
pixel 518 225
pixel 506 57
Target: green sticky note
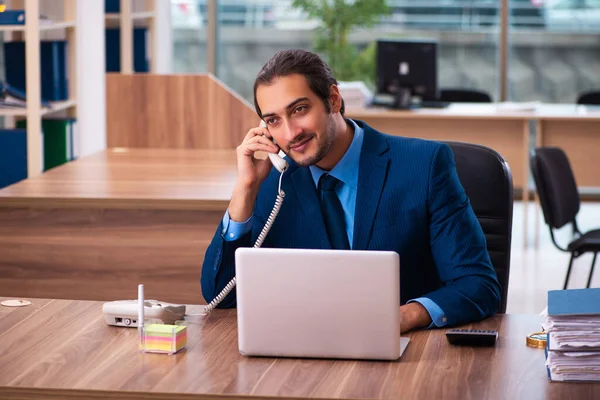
pixel 163 330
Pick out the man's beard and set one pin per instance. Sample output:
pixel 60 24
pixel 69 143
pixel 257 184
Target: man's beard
pixel 323 145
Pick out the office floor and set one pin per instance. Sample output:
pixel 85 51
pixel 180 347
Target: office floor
pixel 537 269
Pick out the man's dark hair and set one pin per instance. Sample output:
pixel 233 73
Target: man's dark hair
pixel 311 66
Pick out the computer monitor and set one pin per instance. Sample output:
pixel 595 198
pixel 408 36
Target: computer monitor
pixel 407 69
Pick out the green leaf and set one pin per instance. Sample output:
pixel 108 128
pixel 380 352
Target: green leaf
pixel 337 20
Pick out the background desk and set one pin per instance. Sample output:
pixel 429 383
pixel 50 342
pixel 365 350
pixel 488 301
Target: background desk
pixel 575 129
pixel 96 227
pixel 58 348
pixel 505 132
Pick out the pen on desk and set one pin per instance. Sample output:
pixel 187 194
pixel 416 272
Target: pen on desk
pixel 141 316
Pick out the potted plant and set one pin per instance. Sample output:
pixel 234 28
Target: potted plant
pixel 337 19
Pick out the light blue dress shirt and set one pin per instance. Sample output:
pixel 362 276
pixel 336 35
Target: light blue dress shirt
pixel 346 170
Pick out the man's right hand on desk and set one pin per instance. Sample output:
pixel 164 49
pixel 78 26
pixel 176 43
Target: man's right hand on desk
pixel 251 172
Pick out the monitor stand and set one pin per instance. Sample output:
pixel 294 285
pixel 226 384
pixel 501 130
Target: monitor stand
pixel 402 99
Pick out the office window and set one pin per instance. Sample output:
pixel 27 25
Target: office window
pixel 555 50
pixel 188 26
pixel 251 31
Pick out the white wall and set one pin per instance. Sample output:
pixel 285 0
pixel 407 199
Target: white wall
pixel 163 46
pixel 91 77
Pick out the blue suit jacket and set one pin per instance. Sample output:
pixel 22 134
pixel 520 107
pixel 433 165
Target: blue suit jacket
pixel 409 200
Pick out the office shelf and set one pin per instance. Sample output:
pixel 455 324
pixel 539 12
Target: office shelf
pixel 125 19
pixel 56 106
pixel 134 16
pixel 58 25
pixel 59 106
pixel 42 26
pixel 12 28
pixel 30 34
pixel 142 15
pixel 13 112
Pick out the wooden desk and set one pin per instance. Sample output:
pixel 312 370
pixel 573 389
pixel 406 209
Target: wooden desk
pixel 575 129
pixel 60 349
pixel 95 228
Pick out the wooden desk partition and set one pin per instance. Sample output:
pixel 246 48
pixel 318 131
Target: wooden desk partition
pixel 175 111
pixel 507 133
pixel 576 130
pixel 63 349
pixel 95 228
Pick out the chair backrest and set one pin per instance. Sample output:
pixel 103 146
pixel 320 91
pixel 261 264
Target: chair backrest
pixel 591 98
pixel 487 181
pixel 556 186
pixel 464 96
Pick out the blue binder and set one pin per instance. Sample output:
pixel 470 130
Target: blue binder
pixel 113 50
pixel 112 6
pixel 13 156
pixel 53 57
pixel 574 302
pixel 12 17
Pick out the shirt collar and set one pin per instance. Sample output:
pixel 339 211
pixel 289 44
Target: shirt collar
pixel 346 170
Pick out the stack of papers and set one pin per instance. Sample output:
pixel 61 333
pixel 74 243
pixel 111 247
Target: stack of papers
pixel 574 333
pixel 509 106
pixel 573 326
pixel 574 366
pixel 11 97
pixel 355 94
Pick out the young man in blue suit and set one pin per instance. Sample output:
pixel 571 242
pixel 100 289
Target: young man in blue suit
pixel 387 192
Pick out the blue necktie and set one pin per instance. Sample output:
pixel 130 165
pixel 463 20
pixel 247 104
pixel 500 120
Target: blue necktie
pixel 333 213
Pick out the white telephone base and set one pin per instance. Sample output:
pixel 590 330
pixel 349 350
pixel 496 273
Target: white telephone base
pixel 125 312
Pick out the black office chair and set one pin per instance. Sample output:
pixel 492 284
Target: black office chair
pixel 589 98
pixel 560 203
pixel 464 96
pixel 487 181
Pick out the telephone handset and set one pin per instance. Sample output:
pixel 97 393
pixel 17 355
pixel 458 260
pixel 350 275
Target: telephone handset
pixel 123 313
pixel 281 165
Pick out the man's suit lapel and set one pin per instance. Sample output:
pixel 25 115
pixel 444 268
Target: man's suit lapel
pixel 372 174
pixel 304 188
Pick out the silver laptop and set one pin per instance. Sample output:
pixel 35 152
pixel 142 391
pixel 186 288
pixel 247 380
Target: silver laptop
pixel 319 303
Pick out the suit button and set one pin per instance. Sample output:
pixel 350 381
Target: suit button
pixel 444 319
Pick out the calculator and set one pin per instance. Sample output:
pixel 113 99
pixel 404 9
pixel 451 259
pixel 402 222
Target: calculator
pixel 472 337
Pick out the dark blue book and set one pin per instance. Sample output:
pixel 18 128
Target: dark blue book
pixel 53 57
pixel 13 156
pixel 574 302
pixel 12 17
pixel 54 80
pixel 113 50
pixel 112 6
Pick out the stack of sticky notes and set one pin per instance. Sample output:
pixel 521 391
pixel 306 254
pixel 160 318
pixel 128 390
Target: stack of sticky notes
pixel 159 338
